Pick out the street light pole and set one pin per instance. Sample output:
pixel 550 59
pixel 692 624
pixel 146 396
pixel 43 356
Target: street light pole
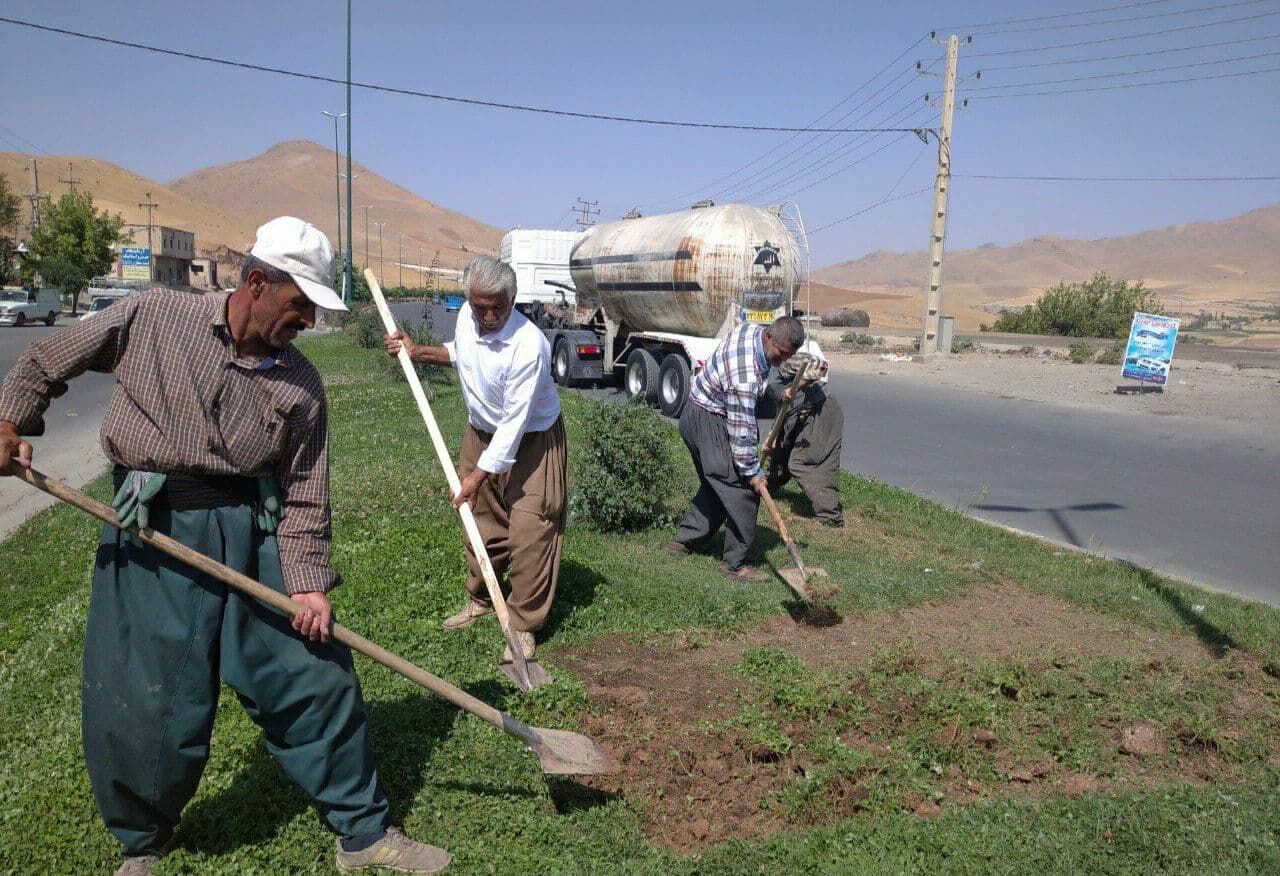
pixel 401 260
pixel 348 288
pixel 381 277
pixel 337 172
pixel 365 207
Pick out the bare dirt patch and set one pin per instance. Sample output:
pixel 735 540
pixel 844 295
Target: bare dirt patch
pixel 995 693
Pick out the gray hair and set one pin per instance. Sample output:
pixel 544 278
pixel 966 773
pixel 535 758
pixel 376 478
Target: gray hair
pixel 787 330
pixel 273 274
pixel 488 276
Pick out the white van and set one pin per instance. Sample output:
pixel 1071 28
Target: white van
pixel 18 307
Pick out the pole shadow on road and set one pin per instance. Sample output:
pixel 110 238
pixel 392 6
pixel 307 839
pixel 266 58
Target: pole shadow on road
pixel 1058 515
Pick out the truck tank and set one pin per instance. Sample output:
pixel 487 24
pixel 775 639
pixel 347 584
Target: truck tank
pixel 686 272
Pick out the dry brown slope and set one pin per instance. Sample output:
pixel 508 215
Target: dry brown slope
pixel 118 190
pixel 1237 258
pixel 297 178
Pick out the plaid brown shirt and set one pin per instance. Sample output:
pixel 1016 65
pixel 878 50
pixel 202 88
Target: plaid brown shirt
pixel 185 402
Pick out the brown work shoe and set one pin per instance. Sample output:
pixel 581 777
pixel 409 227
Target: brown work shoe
pixel 395 851
pixel 526 645
pixel 746 574
pixel 471 612
pixel 678 549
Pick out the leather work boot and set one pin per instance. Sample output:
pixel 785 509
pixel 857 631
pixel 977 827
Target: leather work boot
pixel 526 645
pixel 745 574
pixel 395 851
pixel 471 612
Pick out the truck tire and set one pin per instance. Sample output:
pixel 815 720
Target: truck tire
pixel 51 318
pixel 640 377
pixel 562 364
pixel 673 384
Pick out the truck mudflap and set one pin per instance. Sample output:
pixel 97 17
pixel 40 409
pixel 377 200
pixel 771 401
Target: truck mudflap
pixel 577 357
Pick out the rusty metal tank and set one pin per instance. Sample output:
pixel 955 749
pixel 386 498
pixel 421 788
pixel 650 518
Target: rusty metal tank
pixel 690 272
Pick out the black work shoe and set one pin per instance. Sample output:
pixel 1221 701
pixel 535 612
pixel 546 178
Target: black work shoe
pixel 746 574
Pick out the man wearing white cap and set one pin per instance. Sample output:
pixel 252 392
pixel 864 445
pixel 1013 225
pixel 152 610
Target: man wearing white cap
pixel 218 429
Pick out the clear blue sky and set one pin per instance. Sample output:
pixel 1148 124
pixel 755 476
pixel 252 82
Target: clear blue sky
pixel 742 62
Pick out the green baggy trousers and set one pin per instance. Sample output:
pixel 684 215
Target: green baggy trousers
pixel 160 636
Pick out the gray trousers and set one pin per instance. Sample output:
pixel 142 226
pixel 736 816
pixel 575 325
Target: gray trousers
pixel 724 497
pixel 809 451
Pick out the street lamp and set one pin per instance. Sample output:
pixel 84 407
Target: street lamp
pixel 365 207
pixel 401 259
pixel 337 173
pixel 381 277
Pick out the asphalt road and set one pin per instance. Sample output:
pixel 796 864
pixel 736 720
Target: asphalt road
pixel 1197 500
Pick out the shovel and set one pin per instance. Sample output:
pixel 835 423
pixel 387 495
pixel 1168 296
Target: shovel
pixel 559 752
pixel 797 578
pixel 526 674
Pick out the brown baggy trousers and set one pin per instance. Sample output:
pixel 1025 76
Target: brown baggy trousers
pixel 521 516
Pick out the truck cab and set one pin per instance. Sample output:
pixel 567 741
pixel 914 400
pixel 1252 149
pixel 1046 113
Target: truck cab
pixel 19 307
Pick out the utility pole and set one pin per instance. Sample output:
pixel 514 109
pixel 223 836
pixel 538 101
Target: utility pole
pixel 71 178
pixel 584 207
pixel 401 262
pixel 34 197
pixel 941 189
pixel 337 172
pixel 151 254
pixel 380 276
pixel 348 289
pixel 422 281
pixel 365 207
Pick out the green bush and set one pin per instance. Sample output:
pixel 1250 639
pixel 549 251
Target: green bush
pixel 626 469
pixel 1080 352
pixel 1098 308
pixel 963 345
pixel 1113 354
pixel 364 326
pixel 858 339
pixel 420 332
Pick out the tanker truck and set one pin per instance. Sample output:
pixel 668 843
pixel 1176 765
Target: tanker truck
pixel 650 297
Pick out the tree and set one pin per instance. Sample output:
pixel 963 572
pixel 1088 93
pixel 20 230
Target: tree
pixel 73 243
pixel 10 204
pixel 1097 308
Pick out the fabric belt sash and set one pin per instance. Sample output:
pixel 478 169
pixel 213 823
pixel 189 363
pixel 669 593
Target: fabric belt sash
pixel 186 492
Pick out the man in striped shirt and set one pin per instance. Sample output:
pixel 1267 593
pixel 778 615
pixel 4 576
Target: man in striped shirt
pixel 218 428
pixel 719 427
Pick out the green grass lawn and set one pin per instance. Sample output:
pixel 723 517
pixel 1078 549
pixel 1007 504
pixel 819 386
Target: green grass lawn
pixel 908 791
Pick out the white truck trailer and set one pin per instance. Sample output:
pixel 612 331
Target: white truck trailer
pixel 649 298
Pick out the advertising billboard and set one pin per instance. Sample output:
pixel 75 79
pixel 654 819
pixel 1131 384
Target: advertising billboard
pixel 1149 353
pixel 135 263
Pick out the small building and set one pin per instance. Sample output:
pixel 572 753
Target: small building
pixel 172 252
pixel 204 273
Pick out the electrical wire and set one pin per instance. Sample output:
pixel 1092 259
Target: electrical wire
pixel 868 209
pixel 1052 17
pixel 1139 179
pixel 1126 85
pixel 1129 54
pixel 409 92
pixel 969 89
pixel 1106 21
pixel 1115 39
pixel 16 139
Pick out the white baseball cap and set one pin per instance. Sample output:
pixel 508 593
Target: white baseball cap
pixel 301 250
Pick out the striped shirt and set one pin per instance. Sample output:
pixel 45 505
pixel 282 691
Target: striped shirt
pixel 185 402
pixel 729 385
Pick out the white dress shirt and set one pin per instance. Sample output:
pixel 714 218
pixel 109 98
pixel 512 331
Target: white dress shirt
pixel 506 383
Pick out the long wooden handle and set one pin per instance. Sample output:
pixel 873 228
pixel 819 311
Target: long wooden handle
pixel 278 601
pixel 446 462
pixel 797 387
pixel 777 516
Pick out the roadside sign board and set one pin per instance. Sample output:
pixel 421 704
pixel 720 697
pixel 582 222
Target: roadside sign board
pixel 1149 353
pixel 135 263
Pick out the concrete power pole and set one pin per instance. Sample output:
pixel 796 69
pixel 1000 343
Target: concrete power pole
pixel 151 253
pixel 71 179
pixel 584 207
pixel 941 189
pixel 34 197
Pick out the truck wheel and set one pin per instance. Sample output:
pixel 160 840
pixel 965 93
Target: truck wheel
pixel 560 365
pixel 20 320
pixel 641 376
pixel 673 384
pixel 51 318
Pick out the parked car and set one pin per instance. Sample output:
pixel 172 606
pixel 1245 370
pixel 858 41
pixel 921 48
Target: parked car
pixel 101 303
pixel 19 307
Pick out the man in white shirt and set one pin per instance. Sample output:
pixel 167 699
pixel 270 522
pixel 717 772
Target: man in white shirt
pixel 514 459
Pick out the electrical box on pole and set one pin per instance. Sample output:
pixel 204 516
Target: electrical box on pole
pixel 941 190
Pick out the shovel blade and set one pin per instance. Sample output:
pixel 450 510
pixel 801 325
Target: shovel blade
pixel 537 675
pixel 564 753
pixel 796 581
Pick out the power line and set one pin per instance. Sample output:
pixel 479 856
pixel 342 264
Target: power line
pixel 764 155
pixel 1124 73
pixel 18 140
pixel 1132 36
pixel 1123 20
pixel 869 208
pixel 1052 17
pixel 409 92
pixel 1130 54
pixel 1127 85
pixel 1143 179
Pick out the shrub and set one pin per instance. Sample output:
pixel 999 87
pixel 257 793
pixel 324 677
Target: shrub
pixel 963 345
pixel 1080 352
pixel 420 332
pixel 364 326
pixel 1099 308
pixel 1113 354
pixel 625 469
pixel 859 339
